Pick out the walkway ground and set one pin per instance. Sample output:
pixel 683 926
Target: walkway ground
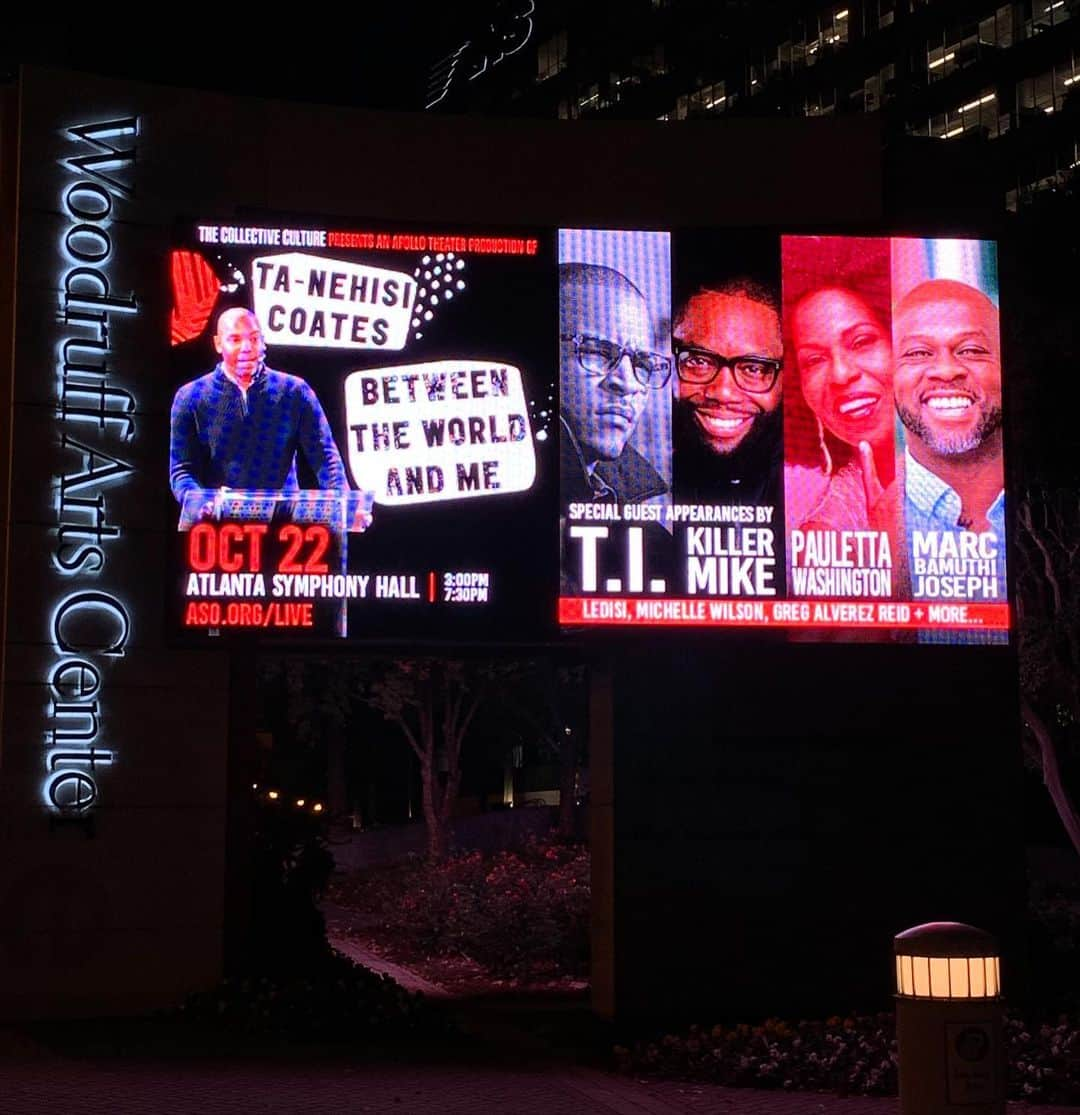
pixel 513 1056
pixel 467 1077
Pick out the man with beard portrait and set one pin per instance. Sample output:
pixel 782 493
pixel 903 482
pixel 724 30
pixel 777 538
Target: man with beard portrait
pixel 947 385
pixel 727 431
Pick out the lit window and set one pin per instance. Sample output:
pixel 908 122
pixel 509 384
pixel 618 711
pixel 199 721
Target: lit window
pixel 1045 15
pixel 552 56
pixel 820 104
pixel 940 61
pixel 1003 20
pixel 988 32
pixel 981 114
pixel 653 64
pixel 590 100
pixel 873 91
pixel 708 99
pixel 838 33
pixel 1038 94
pixel 619 84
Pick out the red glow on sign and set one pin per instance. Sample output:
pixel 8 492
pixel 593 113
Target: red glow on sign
pixel 821 615
pixel 230 548
pixel 238 548
pixel 378 241
pixel 296 538
pixel 244 613
pixel 195 290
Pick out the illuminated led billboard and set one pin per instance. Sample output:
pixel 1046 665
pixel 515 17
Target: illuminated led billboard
pixel 362 429
pixel 832 458
pixel 390 432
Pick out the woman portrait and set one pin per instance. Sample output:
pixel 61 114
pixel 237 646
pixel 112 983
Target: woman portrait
pixel 839 414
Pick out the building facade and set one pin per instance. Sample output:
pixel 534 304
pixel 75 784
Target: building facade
pixel 1005 76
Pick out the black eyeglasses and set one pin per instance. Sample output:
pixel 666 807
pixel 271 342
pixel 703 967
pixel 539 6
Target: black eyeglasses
pixel 699 366
pixel 598 357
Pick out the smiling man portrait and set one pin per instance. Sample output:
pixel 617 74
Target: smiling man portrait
pixel 727 430
pixel 948 395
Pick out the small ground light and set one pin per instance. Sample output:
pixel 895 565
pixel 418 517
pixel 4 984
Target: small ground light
pixel 949 1014
pixel 299 803
pixel 317 807
pixel 254 785
pixel 272 795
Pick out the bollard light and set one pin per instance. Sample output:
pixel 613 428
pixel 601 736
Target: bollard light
pixel 946 977
pixel 949 1020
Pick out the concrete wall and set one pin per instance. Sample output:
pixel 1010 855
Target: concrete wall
pixel 123 907
pixel 117 906
pixel 783 812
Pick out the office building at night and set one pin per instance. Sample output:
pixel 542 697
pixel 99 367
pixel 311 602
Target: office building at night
pixel 1006 76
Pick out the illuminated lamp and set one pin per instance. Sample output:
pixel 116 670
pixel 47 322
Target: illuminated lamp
pixel 299 803
pixel 272 795
pixel 949 1014
pixel 317 807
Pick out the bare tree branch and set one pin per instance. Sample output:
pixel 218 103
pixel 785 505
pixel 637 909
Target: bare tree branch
pixel 1052 773
pixel 1048 591
pixel 409 736
pixel 1048 562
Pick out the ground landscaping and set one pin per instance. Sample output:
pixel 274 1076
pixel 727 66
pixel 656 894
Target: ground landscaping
pixel 846 1056
pixel 478 921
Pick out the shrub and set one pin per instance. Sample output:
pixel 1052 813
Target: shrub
pixel 1044 1061
pixel 335 999
pixel 849 1056
pixel 1054 948
pixel 844 1055
pixel 291 865
pixel 518 914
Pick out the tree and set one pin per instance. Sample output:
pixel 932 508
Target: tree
pixel 1041 281
pixel 314 695
pixel 559 726
pixel 1048 610
pixel 434 702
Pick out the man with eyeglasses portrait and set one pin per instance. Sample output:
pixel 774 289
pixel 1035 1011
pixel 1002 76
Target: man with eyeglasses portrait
pixel 608 371
pixel 727 431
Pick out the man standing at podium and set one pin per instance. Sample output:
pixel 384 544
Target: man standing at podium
pixel 240 426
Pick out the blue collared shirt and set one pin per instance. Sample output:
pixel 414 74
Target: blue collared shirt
pixel 930 505
pixel 222 436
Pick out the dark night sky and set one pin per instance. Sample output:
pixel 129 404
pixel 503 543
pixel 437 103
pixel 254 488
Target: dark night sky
pixel 372 60
pixel 374 56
